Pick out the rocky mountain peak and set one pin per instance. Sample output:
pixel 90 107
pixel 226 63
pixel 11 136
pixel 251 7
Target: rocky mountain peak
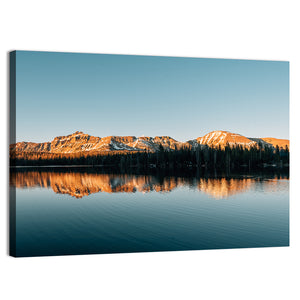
pixel 78 142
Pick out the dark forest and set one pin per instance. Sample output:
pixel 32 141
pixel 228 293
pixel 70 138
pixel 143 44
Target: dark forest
pixel 226 158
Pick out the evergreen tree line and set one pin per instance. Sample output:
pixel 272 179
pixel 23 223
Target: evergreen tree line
pixel 229 157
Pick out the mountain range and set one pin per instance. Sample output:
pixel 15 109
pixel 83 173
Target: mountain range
pixel 80 142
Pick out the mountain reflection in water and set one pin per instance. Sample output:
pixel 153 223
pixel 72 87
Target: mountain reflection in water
pixel 80 184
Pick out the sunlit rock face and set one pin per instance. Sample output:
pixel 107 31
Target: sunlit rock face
pixel 277 142
pixel 80 142
pixel 77 184
pixel 30 147
pixel 222 138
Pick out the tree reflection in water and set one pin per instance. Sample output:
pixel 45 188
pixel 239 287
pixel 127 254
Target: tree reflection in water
pixel 83 182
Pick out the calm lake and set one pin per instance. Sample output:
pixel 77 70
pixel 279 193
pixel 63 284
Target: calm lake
pixel 85 211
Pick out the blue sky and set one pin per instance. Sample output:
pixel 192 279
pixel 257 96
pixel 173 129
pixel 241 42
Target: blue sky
pixel 60 93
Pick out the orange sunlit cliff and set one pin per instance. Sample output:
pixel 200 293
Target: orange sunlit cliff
pixel 80 142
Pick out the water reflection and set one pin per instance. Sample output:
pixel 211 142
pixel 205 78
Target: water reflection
pixel 80 184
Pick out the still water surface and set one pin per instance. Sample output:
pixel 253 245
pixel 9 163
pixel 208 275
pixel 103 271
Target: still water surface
pixel 82 213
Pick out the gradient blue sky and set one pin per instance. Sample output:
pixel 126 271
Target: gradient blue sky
pixel 60 93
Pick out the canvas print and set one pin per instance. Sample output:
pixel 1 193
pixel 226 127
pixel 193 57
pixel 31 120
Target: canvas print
pixel 129 153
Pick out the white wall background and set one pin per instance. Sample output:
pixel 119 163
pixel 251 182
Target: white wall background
pixel 224 29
